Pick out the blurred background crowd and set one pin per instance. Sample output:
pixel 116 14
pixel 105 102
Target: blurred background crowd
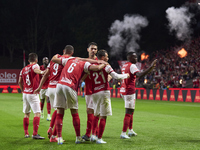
pixel 171 71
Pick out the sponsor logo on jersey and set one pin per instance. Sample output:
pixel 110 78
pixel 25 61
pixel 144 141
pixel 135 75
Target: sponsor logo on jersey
pixel 66 80
pixel 99 87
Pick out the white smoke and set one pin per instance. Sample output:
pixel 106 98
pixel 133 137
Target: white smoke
pixel 125 34
pixel 179 21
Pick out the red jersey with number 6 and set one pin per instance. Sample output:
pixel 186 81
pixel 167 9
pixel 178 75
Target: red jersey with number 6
pixel 72 72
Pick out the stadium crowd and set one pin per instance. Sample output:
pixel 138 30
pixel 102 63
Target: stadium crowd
pixel 171 70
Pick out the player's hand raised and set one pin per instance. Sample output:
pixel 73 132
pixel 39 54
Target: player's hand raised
pixel 153 64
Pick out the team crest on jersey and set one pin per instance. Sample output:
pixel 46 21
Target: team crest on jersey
pixel 76 61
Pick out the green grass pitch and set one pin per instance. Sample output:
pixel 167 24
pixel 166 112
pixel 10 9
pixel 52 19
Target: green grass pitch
pixel 159 125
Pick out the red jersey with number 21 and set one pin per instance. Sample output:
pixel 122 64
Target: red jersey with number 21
pixel 100 79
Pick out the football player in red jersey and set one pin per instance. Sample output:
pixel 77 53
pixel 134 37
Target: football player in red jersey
pixel 66 91
pixel 101 95
pixel 92 50
pixel 53 73
pixel 43 91
pixel 128 91
pixel 28 82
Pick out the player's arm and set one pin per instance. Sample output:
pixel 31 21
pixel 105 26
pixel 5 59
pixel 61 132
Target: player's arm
pixel 115 75
pixel 143 73
pixel 20 82
pixel 92 61
pixel 38 71
pixel 119 76
pixel 56 59
pixel 97 67
pixel 59 60
pixel 42 81
pixel 109 78
pixel 84 77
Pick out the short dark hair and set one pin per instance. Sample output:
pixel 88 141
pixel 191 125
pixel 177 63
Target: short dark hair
pixel 69 49
pixel 92 43
pixel 45 58
pixel 130 53
pixel 101 53
pixel 32 57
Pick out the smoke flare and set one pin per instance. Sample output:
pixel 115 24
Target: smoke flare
pixel 124 35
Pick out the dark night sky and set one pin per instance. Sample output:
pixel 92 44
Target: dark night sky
pixel 46 26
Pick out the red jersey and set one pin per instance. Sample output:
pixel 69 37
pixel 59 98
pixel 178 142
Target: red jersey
pixel 55 71
pixel 30 78
pixel 46 83
pixel 73 71
pixel 100 79
pixel 128 85
pixel 195 83
pixel 88 84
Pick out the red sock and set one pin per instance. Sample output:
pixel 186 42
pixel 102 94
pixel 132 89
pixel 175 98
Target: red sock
pixel 126 122
pixel 76 123
pixel 53 118
pixel 95 125
pixel 97 130
pixel 59 123
pixel 131 122
pixel 36 122
pixel 102 125
pixel 48 108
pixel 25 124
pixel 54 131
pixel 41 105
pixel 89 124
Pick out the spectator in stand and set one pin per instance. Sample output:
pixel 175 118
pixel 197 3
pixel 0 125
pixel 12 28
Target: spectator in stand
pixel 157 86
pixel 184 83
pixel 196 82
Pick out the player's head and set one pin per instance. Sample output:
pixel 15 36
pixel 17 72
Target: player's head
pixel 69 50
pixel 45 60
pixel 33 57
pixel 102 55
pixel 132 57
pixel 92 49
